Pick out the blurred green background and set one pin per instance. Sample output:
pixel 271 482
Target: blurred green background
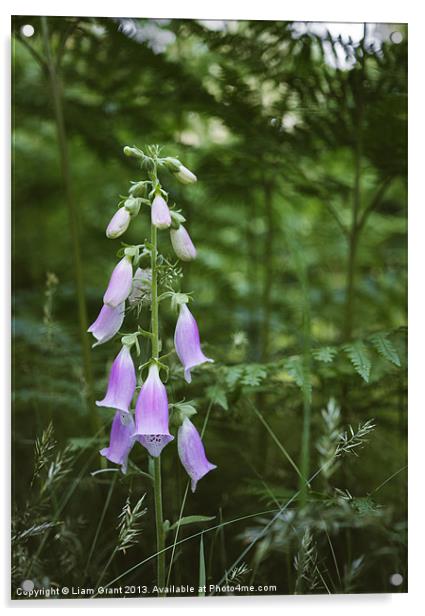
pixel 297 133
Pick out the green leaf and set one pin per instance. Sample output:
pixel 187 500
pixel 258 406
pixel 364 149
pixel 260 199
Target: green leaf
pixel 181 410
pixel 217 395
pixel 325 354
pixel 233 375
pixel 359 357
pixel 296 369
pixel 192 519
pixel 253 375
pixel 385 347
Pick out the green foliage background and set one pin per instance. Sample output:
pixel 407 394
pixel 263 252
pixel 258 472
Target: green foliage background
pixel 299 216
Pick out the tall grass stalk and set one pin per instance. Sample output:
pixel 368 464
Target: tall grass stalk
pixel 57 99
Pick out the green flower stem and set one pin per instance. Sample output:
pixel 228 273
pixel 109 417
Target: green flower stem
pixel 160 535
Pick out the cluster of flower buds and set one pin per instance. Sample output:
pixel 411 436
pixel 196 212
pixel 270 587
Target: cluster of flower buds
pixel 150 423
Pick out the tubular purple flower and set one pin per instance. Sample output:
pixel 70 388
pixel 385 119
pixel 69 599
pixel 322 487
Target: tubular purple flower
pixel 192 453
pixel 107 323
pixel 187 342
pixel 119 223
pixel 121 440
pixel 160 214
pixel 119 286
pixel 152 414
pixel 182 244
pixel 122 382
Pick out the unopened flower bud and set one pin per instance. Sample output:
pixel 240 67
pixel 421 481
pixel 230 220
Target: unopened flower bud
pixel 181 172
pixel 118 224
pixel 185 176
pixel 182 244
pixel 160 214
pixel 172 164
pixel 132 205
pixel 133 152
pixel 176 219
pixel 138 189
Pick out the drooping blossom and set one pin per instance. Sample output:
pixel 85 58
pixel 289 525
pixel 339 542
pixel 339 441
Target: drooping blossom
pixel 122 382
pixel 107 323
pixel 141 289
pixel 119 223
pixel 121 440
pixel 182 244
pixel 187 342
pixel 192 452
pixel 119 286
pixel 160 214
pixel 152 414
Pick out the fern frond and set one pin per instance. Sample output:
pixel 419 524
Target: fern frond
pixel 385 347
pixel 301 375
pixel 325 354
pixel 359 357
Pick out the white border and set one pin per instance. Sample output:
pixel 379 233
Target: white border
pixel 325 10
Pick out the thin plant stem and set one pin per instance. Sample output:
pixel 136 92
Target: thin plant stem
pixel 354 231
pixel 56 93
pixel 157 480
pixel 276 440
pixel 160 539
pixel 301 271
pixel 99 526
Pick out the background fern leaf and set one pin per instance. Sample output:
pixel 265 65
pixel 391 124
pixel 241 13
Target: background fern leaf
pixel 385 347
pixel 325 354
pixel 360 359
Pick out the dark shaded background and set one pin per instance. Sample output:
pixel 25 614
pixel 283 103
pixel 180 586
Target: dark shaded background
pixel 298 137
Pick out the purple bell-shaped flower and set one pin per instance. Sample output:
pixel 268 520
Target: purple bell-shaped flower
pixel 160 214
pixel 192 453
pixel 182 244
pixel 119 286
pixel 152 414
pixel 187 342
pixel 121 440
pixel 119 223
pixel 107 323
pixel 122 382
